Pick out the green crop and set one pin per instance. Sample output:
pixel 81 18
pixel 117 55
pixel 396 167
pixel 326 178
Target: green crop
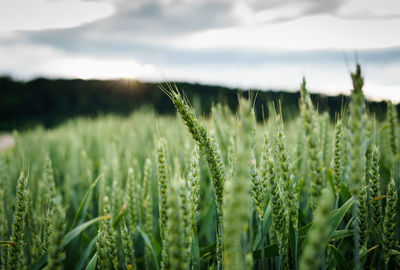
pixel 195 191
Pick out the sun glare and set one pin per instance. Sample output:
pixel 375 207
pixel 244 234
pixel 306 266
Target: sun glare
pixel 88 68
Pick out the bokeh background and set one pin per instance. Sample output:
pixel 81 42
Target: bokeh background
pixel 246 44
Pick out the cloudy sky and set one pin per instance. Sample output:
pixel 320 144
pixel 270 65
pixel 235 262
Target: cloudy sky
pixel 266 44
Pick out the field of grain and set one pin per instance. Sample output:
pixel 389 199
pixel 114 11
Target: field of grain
pixel 193 192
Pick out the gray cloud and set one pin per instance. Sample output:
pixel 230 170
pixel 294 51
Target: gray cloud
pixel 160 55
pixel 155 22
pixel 141 30
pixel 155 17
pixel 135 24
pixel 307 7
pixel 144 31
pixel 336 8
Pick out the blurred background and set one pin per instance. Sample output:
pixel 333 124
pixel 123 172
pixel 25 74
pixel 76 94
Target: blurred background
pixel 65 58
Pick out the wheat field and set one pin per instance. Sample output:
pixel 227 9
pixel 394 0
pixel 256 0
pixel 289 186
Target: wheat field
pixel 225 191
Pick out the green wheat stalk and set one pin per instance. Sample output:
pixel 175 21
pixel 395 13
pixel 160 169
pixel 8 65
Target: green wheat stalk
pixel 15 251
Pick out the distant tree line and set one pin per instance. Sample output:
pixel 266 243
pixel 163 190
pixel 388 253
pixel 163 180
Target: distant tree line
pixel 50 102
